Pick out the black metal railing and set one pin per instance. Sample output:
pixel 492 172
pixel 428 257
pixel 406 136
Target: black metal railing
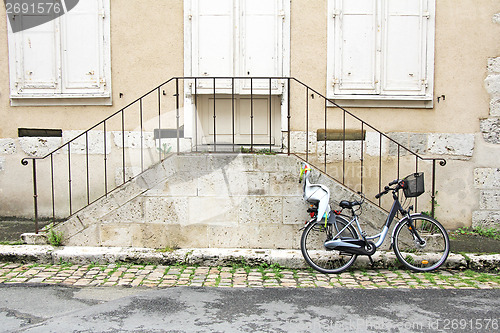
pixel 163 103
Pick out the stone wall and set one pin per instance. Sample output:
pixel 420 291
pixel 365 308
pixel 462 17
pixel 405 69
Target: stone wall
pixel 487 180
pixel 202 200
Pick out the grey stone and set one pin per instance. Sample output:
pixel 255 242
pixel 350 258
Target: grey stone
pixel 451 144
pixel 95 142
pixel 494 65
pixel 134 139
pixel 495 107
pixel 7 146
pixel 166 210
pixel 492 84
pixel 338 151
pixel 486 219
pixel 34 239
pixel 496 18
pixel 489 199
pixel 490 128
pixel 487 178
pixel 2 163
pixel 39 146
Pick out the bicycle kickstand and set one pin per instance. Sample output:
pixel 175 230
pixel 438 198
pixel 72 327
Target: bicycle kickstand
pixel 371 261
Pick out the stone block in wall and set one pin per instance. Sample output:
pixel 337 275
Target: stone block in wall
pixel 130 172
pixel 415 142
pixel 492 84
pixel 168 210
pixel 232 183
pixel 487 178
pixel 373 144
pixel 2 163
pixel 39 146
pixel 335 151
pixel 295 210
pixel 298 143
pixel 7 146
pixel 496 18
pixel 495 107
pixel 116 234
pixel 132 139
pixel 486 219
pixel 95 142
pixel 493 65
pixel 285 184
pixel 489 199
pixel 178 184
pixel 455 144
pixel 221 210
pixel 490 128
pixel 170 145
pixel 260 210
pixel 132 211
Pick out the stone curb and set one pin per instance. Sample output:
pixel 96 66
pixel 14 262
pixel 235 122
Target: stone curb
pixel 48 254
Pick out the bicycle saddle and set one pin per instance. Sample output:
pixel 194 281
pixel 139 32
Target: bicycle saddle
pixel 349 204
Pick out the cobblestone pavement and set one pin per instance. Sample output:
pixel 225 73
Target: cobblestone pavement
pixel 130 275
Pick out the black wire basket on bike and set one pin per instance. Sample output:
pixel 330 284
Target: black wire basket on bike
pixel 413 185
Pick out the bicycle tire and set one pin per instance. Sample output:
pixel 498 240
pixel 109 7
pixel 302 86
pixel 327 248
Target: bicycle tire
pixel 313 249
pixel 416 257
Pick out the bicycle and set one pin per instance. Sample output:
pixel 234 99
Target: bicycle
pixel 332 242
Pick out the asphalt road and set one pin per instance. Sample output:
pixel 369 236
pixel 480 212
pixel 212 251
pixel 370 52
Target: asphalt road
pixel 42 308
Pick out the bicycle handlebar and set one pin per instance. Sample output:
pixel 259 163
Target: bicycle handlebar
pixel 387 188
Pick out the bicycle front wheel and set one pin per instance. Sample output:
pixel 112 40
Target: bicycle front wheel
pixel 313 249
pixel 425 255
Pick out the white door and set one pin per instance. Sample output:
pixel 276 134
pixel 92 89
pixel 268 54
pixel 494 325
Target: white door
pixel 235 38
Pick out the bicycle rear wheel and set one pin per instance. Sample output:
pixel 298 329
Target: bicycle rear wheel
pixel 414 255
pixel 312 246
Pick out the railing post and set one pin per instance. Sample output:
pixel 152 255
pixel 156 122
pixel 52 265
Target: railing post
pixel 325 132
pixel 270 116
pixel 52 186
pixel 362 156
pixel 123 145
pixel 35 196
pixel 69 179
pixel 215 128
pixel 343 148
pixel 433 194
pixel 307 124
pixel 251 114
pixel 87 165
pixel 105 162
pixel 159 126
pixel 195 114
pixel 177 111
pixel 288 114
pixel 232 110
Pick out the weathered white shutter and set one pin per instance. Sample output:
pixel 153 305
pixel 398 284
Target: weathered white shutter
pixel 36 58
pixel 404 47
pixel 261 41
pixel 213 38
pixel 83 48
pixel 355 47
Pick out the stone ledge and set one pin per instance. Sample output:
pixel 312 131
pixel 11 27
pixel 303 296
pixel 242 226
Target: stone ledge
pixel 211 257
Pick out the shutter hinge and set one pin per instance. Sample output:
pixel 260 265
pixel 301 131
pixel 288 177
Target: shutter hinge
pixel 426 15
pixel 335 13
pixel 190 16
pixel 335 81
pixel 425 83
pixel 282 14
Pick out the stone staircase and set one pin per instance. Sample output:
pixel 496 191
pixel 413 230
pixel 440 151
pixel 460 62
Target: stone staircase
pixel 207 201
